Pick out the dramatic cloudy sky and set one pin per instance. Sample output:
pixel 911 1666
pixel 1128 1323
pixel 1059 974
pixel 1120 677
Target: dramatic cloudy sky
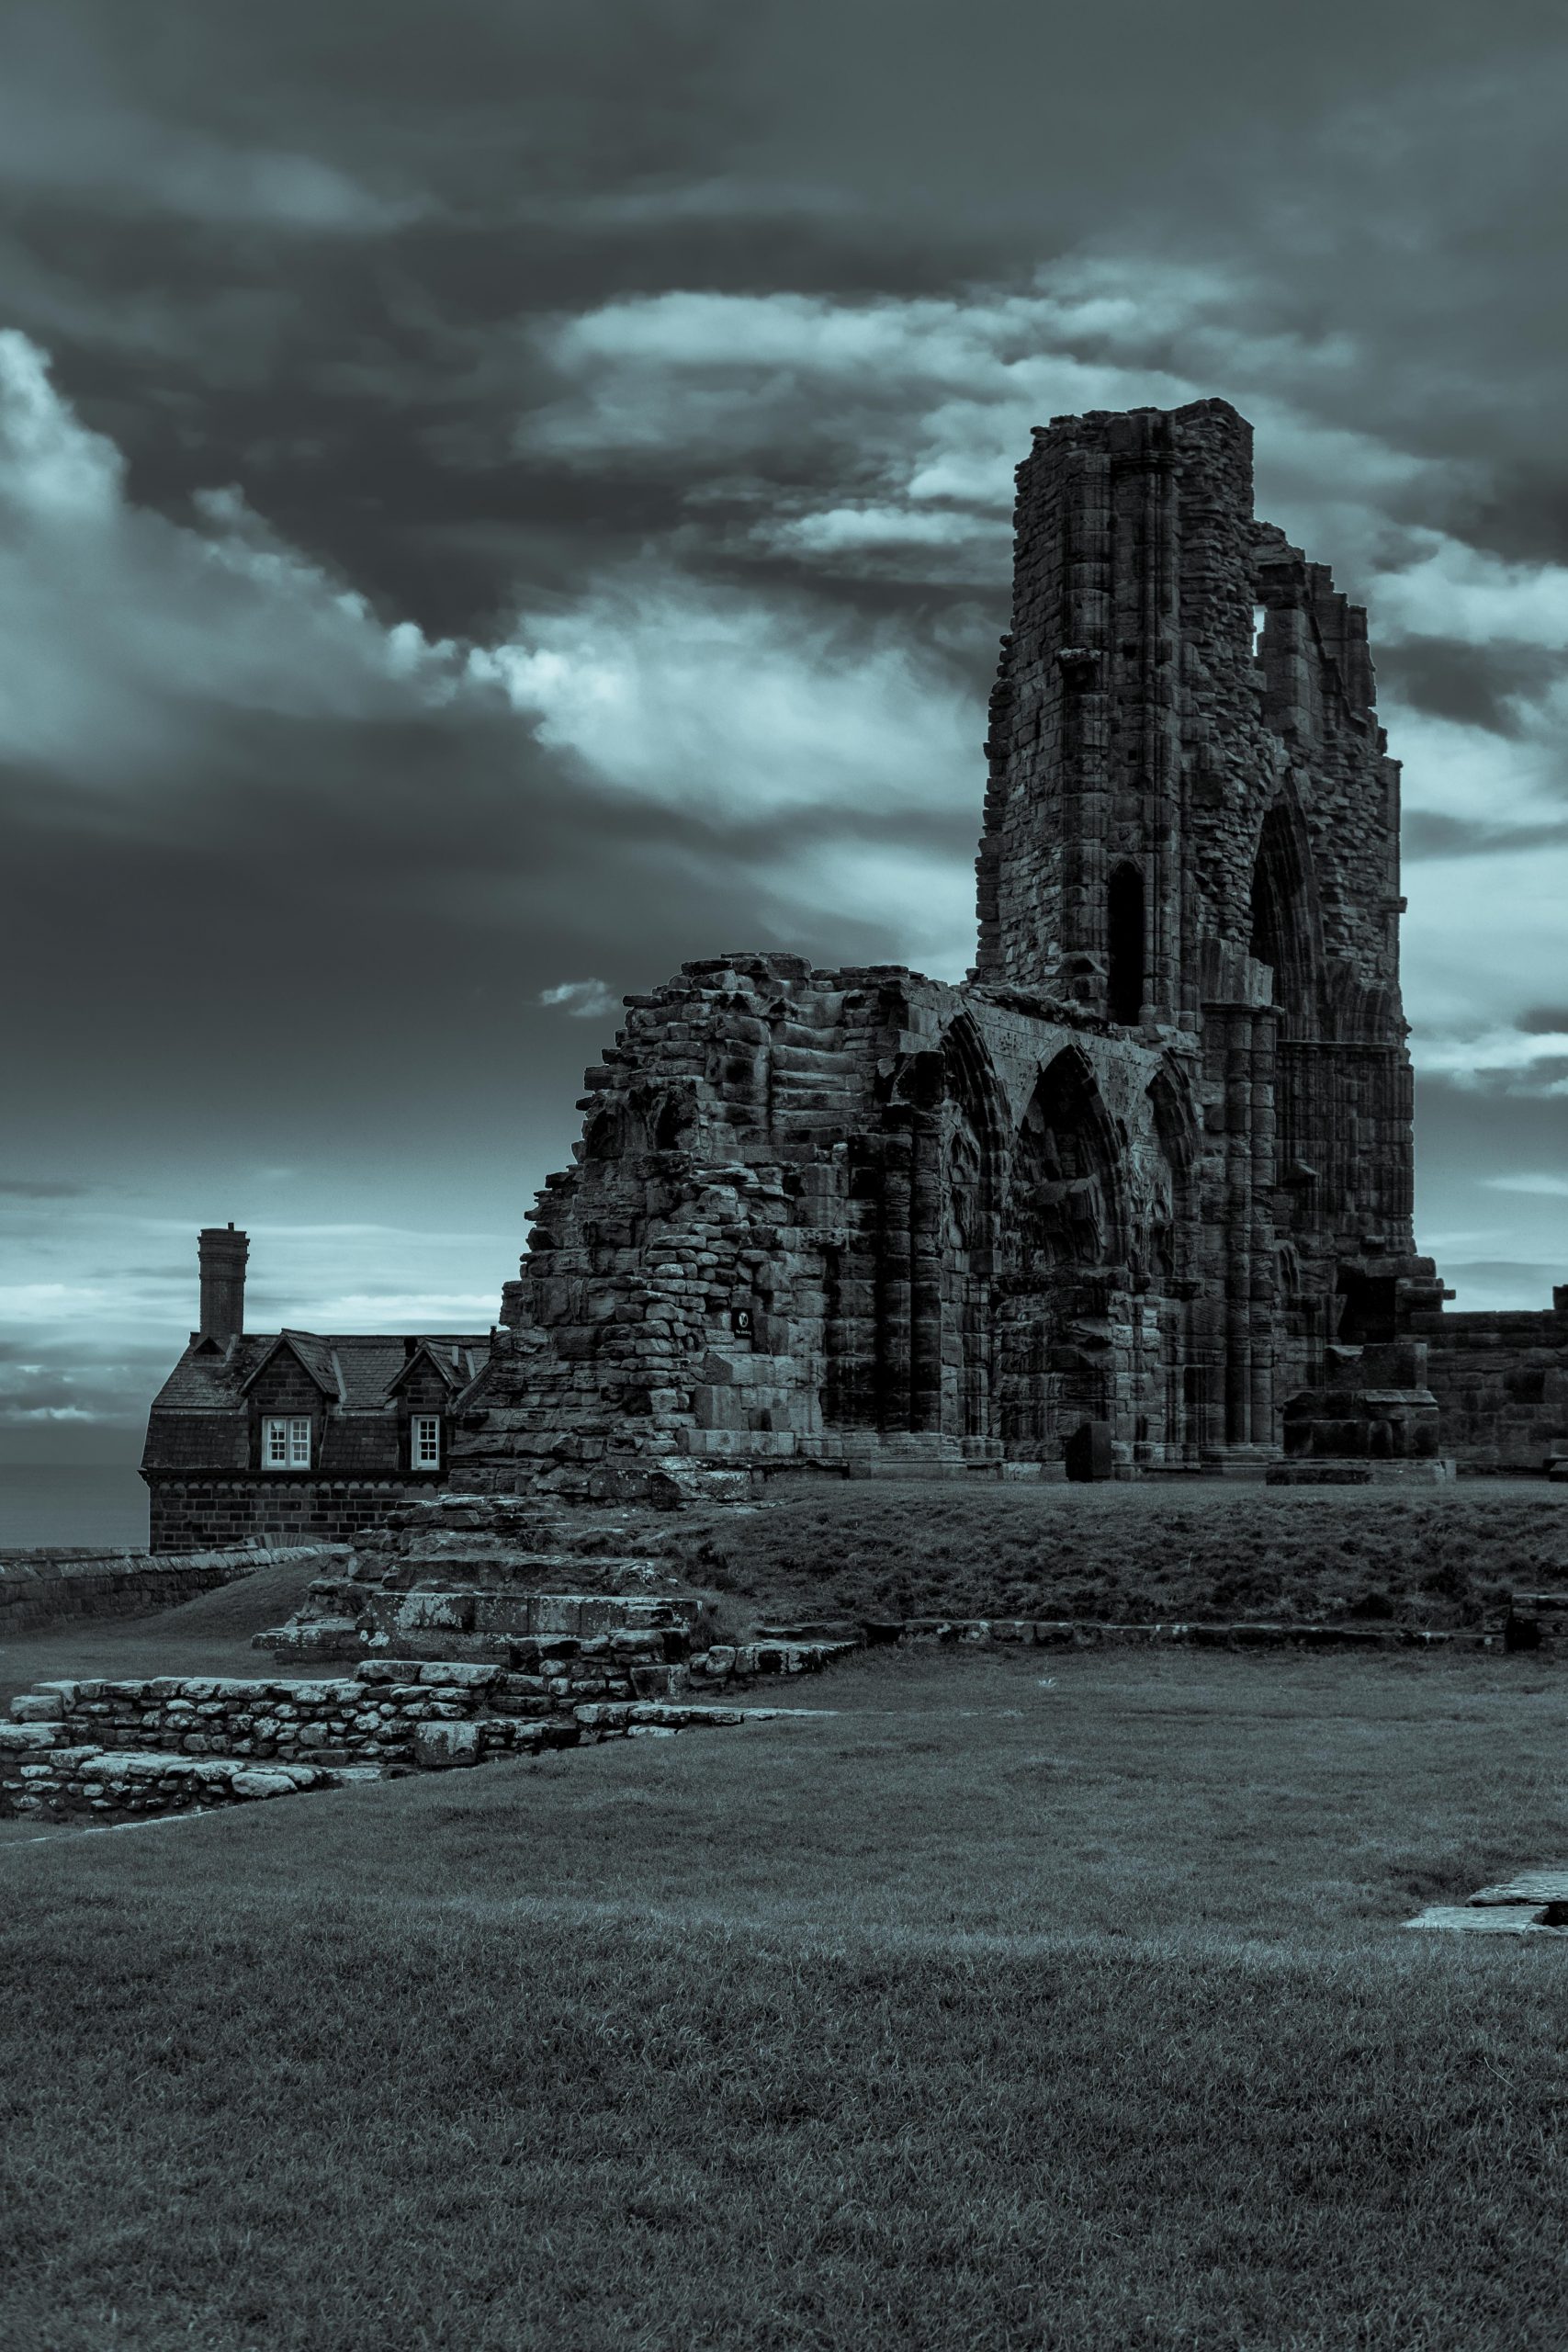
pixel 496 498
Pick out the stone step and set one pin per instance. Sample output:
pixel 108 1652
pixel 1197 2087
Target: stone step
pixel 477 1621
pixel 727 1662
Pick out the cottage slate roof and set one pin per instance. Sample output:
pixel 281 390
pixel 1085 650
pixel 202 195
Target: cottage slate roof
pixel 315 1354
pixel 449 1358
pixel 357 1371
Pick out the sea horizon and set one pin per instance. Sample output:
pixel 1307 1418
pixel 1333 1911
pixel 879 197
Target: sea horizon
pixel 71 1503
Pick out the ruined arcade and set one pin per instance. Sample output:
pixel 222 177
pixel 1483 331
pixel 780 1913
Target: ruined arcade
pixel 1107 1205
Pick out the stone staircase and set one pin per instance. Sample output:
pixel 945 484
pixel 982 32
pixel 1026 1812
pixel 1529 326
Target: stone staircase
pixel 513 1581
pixel 471 1576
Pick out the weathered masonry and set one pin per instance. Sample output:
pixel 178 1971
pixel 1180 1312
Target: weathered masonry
pixel 1136 1196
pixel 1109 1202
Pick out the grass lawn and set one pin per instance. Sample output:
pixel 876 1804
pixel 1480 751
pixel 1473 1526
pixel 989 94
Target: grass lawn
pixel 1013 2001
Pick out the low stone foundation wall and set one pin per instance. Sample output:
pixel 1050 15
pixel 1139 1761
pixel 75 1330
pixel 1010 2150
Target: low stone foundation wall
pixel 106 1785
pixel 114 1749
pixel 46 1585
pixel 1077 1633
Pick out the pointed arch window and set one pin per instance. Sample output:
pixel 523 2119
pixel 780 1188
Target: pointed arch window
pixel 1124 939
pixel 1280 921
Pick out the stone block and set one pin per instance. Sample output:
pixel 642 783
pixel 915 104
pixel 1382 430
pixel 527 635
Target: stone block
pixel 439 1745
pixel 426 1613
pixel 37 1707
pixel 264 1782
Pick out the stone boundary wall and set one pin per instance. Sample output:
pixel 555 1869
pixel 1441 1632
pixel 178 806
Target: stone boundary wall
pixel 46 1584
pixel 1081 1632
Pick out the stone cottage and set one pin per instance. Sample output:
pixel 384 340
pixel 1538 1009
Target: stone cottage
pixel 294 1435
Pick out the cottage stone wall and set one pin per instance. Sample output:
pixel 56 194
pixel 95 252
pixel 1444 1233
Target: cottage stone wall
pixel 285 1511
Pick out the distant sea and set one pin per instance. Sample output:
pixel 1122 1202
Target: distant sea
pixel 66 1502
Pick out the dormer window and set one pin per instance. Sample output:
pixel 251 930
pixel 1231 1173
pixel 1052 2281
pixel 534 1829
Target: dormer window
pixel 424 1441
pixel 286 1441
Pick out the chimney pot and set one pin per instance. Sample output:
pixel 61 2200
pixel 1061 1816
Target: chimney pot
pixel 223 1253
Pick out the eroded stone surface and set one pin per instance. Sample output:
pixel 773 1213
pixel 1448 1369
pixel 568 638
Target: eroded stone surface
pixel 1462 1919
pixel 1102 1205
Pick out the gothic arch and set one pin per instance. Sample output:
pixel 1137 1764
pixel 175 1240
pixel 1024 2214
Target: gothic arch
pixel 1064 1192
pixel 1358 1011
pixel 1287 926
pixel 975 1130
pixel 971 1142
pixel 1063 1240
pixel 616 1131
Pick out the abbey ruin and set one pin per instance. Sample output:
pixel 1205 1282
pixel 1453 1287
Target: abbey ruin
pixel 1121 1190
pixel 1134 1198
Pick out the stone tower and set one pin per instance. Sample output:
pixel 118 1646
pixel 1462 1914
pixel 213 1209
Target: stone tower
pixel 1122 1188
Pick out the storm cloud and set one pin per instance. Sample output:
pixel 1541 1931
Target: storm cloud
pixel 489 510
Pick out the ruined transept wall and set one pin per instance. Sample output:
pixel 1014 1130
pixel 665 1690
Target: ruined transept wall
pixel 793 1232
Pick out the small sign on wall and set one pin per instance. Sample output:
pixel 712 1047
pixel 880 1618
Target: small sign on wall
pixel 740 1322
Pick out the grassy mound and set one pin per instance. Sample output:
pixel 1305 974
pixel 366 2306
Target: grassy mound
pixel 234 1611
pixel 1126 1555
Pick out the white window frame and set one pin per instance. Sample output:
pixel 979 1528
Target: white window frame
pixel 418 1424
pixel 286 1441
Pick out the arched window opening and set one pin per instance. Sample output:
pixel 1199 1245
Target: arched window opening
pixel 1282 921
pixel 1062 1244
pixel 1125 991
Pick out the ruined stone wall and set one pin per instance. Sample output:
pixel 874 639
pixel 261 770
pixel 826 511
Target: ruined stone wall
pixel 1501 1383
pixel 858 1219
pixel 1183 727
pixel 1138 1172
pixel 116 1751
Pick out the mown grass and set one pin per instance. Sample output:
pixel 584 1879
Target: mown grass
pixel 1441 1556
pixel 1000 2002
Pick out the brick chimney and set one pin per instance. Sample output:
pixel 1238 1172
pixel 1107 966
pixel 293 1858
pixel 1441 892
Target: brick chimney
pixel 223 1253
